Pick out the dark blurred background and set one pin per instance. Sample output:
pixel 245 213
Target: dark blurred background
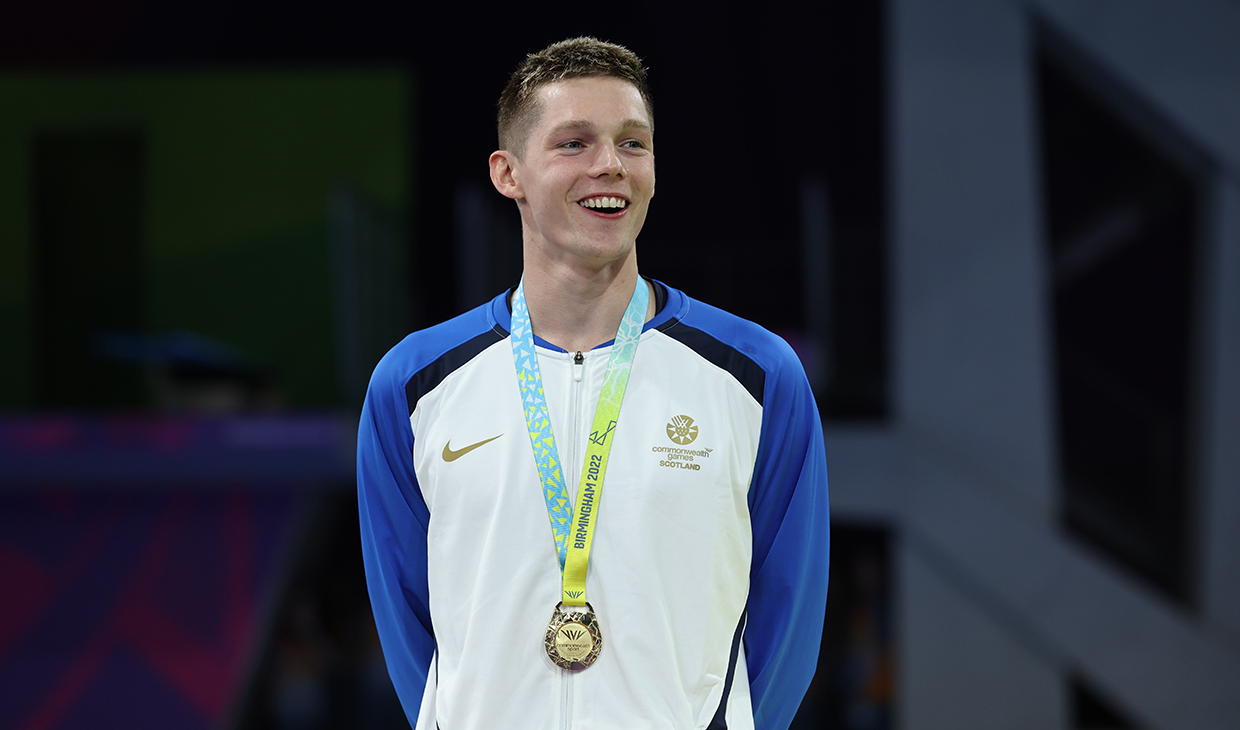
pixel 990 231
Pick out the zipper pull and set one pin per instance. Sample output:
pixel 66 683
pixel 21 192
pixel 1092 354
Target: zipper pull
pixel 578 366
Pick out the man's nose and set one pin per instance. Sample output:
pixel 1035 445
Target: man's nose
pixel 607 161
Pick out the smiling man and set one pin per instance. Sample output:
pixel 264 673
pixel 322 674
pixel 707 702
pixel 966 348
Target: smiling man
pixel 593 501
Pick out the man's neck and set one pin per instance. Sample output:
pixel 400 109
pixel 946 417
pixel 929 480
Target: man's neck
pixel 578 309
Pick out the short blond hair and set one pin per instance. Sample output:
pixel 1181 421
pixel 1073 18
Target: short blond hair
pixel 519 107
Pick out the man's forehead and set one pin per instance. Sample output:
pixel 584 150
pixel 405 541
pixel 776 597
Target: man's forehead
pixel 568 100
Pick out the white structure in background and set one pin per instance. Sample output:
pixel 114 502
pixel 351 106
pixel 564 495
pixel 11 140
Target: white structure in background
pixel 998 608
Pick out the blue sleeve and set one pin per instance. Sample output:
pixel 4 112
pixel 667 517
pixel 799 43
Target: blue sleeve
pixel 791 547
pixel 394 521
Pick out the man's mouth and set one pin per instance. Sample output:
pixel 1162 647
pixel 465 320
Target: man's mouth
pixel 604 204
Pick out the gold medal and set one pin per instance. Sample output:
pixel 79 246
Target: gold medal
pixel 573 639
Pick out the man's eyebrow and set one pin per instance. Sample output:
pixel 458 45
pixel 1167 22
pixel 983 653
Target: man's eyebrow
pixel 587 125
pixel 573 124
pixel 635 124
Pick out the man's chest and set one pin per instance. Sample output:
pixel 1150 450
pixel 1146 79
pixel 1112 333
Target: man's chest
pixel 686 436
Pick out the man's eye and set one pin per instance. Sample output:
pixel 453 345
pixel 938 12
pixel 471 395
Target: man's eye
pixel 634 144
pixel 572 144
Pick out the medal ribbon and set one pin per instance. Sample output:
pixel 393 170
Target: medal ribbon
pixel 574 531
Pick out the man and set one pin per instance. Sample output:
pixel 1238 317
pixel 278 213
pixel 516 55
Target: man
pixel 673 573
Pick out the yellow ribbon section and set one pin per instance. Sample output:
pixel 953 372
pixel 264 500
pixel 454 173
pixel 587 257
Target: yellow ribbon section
pixel 581 532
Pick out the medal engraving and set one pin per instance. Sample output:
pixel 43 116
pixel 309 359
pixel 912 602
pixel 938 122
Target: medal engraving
pixel 573 639
pixel 573 642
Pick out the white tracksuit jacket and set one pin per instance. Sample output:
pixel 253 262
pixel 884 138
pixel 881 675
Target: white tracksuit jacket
pixel 709 565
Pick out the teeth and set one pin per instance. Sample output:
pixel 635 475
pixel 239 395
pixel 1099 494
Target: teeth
pixel 605 202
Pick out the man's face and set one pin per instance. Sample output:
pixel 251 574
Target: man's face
pixel 587 176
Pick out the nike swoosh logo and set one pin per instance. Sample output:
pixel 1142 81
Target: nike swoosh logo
pixel 450 455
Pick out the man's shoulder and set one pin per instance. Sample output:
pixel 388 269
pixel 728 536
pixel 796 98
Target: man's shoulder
pixel 748 350
pixel 728 329
pixel 447 344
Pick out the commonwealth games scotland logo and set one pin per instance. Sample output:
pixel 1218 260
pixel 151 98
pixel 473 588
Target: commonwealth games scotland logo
pixel 681 430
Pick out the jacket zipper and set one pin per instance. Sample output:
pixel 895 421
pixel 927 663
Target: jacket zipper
pixel 566 675
pixel 575 441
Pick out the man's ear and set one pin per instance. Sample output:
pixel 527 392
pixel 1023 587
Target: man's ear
pixel 504 174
